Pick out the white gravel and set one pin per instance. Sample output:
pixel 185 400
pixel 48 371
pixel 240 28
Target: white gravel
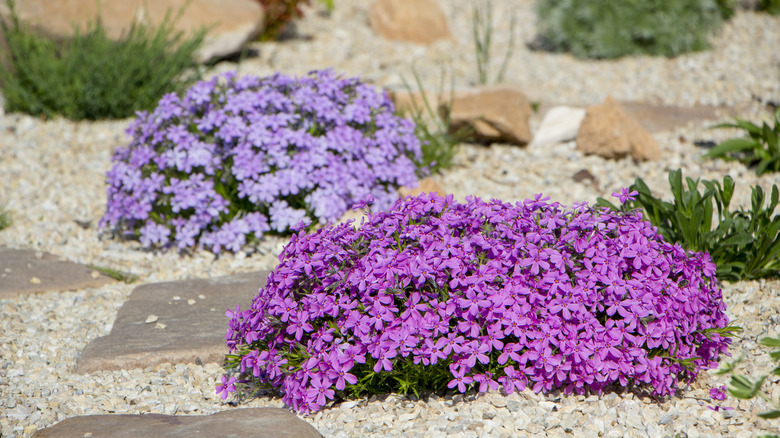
pixel 52 175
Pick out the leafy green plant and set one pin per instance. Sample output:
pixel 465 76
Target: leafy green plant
pixel 5 218
pixel 743 387
pixel 611 29
pixel 482 32
pixel 744 244
pixel 770 6
pixel 761 149
pixel 279 13
pixel 124 277
pixel 432 125
pixel 92 76
pixel 726 8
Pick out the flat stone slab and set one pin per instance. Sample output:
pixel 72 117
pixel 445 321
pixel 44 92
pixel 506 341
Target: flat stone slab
pixel 657 118
pixel 172 322
pixel 28 272
pixel 237 423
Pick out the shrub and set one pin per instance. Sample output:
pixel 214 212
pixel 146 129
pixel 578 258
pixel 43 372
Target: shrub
pixel 770 6
pixel 92 76
pixel 610 29
pixel 236 157
pixel 744 244
pixel 435 293
pixel 761 150
pixel 278 13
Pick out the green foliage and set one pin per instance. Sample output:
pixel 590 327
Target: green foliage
pixel 482 32
pixel 743 387
pixel 770 6
pixel 761 149
pixel 124 277
pixel 726 8
pixel 432 127
pixel 92 76
pixel 5 218
pixel 744 244
pixel 278 13
pixel 610 29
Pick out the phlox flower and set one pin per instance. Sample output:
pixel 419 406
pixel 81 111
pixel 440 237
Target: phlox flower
pixel 515 303
pixel 625 195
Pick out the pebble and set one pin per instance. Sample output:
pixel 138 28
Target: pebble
pixel 52 174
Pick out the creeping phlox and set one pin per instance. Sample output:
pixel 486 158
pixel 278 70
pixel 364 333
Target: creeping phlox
pixel 237 157
pixel 489 294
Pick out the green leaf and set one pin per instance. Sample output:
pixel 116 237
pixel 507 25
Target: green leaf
pixel 733 145
pixel 744 388
pixel 769 414
pixel 738 239
pixel 770 342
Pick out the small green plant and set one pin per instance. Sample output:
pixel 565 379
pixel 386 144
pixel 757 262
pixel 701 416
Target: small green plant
pixel 279 13
pixel 482 32
pixel 5 218
pixel 743 387
pixel 726 8
pixel 761 149
pixel 432 125
pixel 611 29
pixel 770 6
pixel 92 76
pixel 124 277
pixel 743 245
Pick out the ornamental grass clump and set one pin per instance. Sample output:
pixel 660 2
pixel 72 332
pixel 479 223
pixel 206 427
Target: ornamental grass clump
pixel 238 157
pixel 436 294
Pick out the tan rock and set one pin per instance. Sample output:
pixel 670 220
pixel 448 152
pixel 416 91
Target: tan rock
pixel 417 21
pixel 251 422
pixel 231 23
pixel 608 131
pixel 496 114
pixel 426 185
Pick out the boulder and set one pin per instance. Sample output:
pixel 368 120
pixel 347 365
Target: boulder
pixel 416 21
pixel 608 131
pixel 251 422
pixel 560 124
pixel 230 23
pixel 496 114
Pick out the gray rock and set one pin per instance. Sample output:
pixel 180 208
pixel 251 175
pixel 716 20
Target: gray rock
pixel 28 272
pixel 256 422
pixel 172 322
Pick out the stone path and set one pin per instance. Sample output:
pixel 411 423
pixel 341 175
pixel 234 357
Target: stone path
pixel 172 322
pixel 237 423
pixel 26 272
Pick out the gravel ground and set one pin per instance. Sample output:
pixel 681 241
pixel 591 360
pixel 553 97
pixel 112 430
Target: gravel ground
pixel 52 180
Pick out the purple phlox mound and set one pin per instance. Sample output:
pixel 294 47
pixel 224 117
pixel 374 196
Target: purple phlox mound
pixel 236 157
pixel 498 295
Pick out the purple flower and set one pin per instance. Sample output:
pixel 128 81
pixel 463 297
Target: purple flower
pixel 236 157
pixel 718 393
pixel 227 386
pixel 490 294
pixel 625 195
